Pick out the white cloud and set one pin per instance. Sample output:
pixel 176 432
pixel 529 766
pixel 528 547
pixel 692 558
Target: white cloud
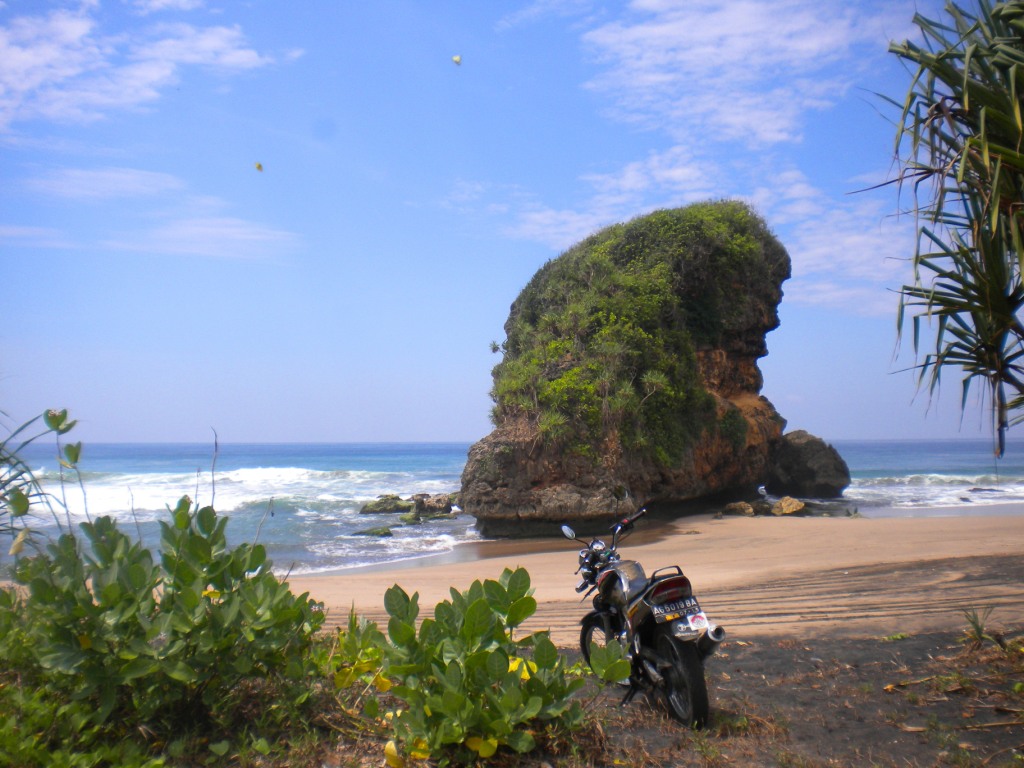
pixel 557 228
pixel 661 180
pixel 155 6
pixel 105 183
pixel 59 67
pixel 220 47
pixel 731 86
pixel 858 299
pixel 221 237
pixel 32 237
pixel 542 9
pixel 465 192
pixel 851 253
pixel 745 70
pixel 675 172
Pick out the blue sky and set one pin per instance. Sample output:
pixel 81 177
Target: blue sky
pixel 160 285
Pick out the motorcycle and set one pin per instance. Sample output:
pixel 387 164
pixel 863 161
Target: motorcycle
pixel 657 621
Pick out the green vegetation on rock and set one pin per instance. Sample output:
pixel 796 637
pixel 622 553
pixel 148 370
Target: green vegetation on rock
pixel 388 504
pixel 602 343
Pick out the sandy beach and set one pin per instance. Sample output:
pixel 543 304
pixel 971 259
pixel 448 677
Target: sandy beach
pixel 837 576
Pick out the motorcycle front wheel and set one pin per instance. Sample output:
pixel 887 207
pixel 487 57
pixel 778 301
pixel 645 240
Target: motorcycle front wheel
pixel 597 629
pixel 686 691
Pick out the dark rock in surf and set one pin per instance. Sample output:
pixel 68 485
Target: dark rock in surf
pixel 806 466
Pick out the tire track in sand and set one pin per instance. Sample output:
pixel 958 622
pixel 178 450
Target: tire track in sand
pixel 865 601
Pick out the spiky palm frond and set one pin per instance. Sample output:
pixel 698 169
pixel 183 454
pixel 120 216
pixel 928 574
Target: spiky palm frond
pixel 961 147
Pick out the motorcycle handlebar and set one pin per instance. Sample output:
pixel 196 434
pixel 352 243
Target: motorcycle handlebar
pixel 627 522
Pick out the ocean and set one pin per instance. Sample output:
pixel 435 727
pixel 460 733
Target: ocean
pixel 303 500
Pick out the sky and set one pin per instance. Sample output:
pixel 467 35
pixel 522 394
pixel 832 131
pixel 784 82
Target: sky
pixel 306 222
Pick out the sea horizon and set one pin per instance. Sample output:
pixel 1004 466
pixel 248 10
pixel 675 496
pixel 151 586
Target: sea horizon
pixel 304 499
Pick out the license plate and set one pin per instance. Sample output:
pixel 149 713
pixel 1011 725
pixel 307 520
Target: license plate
pixel 672 611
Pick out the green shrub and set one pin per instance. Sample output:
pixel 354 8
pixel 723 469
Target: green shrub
pixel 733 427
pixel 123 644
pixel 468 687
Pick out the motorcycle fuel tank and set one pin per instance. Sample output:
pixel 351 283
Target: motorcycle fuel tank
pixel 631 578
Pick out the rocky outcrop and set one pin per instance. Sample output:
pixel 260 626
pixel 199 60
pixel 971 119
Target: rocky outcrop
pixel 611 394
pixel 386 505
pixel 806 466
pixel 787 505
pixel 516 485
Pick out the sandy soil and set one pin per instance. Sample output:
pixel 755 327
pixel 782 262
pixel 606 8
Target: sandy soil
pixel 813 576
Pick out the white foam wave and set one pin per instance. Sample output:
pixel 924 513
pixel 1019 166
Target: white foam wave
pixel 926 491
pixel 150 494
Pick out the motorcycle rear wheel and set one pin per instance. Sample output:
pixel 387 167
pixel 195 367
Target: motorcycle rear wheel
pixel 595 630
pixel 686 691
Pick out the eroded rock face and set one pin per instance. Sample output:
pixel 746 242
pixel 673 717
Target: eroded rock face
pixel 726 286
pixel 804 465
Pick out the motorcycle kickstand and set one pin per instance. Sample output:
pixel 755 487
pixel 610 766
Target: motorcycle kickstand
pixel 633 690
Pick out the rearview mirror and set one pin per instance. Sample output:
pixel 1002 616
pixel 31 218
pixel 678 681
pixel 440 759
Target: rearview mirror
pixel 568 532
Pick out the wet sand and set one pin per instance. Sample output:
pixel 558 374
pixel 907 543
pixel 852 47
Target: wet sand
pixel 836 576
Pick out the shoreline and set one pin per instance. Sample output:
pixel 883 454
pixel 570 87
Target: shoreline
pixel 730 557
pixel 652 529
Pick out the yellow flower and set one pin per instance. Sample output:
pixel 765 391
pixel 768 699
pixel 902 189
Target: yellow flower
pixel 391 756
pixel 483 747
pixel 420 750
pixel 527 669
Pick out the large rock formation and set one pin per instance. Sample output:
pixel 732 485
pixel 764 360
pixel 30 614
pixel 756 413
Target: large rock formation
pixel 630 374
pixel 804 465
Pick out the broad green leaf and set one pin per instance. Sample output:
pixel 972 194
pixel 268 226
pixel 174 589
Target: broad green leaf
pixel 139 667
pixel 544 652
pixel 18 503
pixel 206 519
pixel 180 671
pixel 400 632
pixel 453 675
pixel 497 664
pixel 55 419
pixel 518 584
pixel 521 610
pixel 512 699
pixel 397 602
pixel 180 514
pixel 532 708
pixel 72 452
pixel 479 620
pixel 497 596
pixel 220 748
pixel 521 741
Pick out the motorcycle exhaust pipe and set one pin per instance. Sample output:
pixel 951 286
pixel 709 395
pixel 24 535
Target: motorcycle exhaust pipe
pixel 710 640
